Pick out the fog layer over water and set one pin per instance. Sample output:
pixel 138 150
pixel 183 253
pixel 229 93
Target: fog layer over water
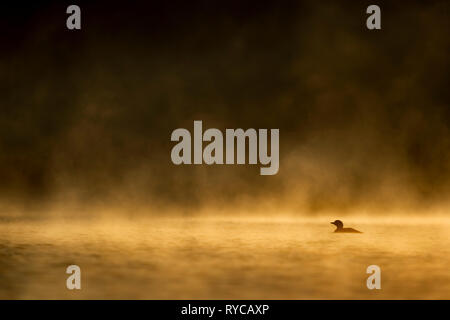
pixel 212 258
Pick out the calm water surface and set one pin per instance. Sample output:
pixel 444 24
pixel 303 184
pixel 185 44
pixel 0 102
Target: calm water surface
pixel 223 259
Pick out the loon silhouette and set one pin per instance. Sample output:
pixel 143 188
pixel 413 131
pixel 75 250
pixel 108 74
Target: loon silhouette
pixel 340 228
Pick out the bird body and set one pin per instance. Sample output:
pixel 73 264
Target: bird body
pixel 340 228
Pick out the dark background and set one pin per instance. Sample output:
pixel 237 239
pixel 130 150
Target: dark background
pixel 364 116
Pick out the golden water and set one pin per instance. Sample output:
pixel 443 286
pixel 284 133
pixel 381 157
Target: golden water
pixel 207 258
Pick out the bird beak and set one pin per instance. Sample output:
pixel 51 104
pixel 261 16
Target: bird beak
pixel 332 222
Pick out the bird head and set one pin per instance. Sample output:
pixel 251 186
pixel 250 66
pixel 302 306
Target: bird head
pixel 338 223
